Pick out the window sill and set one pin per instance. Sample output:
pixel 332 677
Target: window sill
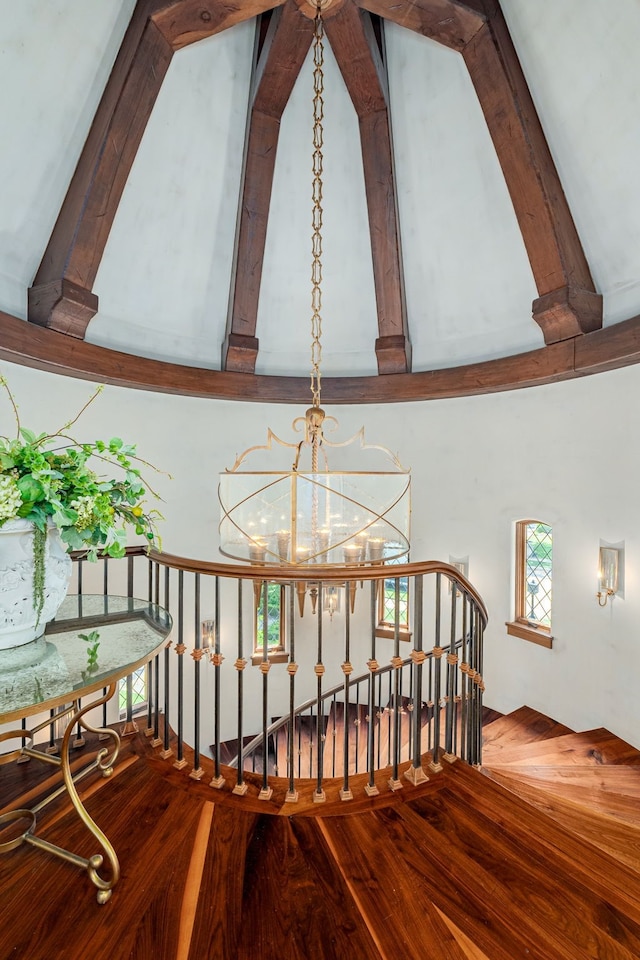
pixel 278 656
pixel 389 633
pixel 526 631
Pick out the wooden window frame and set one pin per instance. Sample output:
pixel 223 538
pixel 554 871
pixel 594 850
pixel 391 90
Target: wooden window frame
pixel 386 629
pixel 522 626
pixel 275 654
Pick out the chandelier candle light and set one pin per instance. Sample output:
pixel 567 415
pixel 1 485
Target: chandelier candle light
pixel 314 516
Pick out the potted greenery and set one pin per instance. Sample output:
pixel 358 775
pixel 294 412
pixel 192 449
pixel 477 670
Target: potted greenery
pixel 53 500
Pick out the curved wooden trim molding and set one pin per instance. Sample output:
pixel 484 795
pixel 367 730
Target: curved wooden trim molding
pixel 606 349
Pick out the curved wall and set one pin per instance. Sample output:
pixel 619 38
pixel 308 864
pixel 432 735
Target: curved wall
pixel 565 452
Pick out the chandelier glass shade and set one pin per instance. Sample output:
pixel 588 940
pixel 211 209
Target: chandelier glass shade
pixel 299 517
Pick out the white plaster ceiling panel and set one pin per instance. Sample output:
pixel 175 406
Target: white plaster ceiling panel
pixel 469 285
pixel 581 61
pixel 349 321
pixel 55 58
pixel 164 279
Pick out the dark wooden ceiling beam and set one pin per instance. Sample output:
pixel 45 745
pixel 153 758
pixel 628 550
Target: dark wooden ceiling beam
pixel 61 296
pixel 450 22
pixel 187 21
pixel 361 62
pixel 276 67
pixel 606 349
pixel 568 304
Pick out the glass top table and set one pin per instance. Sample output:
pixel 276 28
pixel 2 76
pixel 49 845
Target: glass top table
pixel 53 673
pixel 56 668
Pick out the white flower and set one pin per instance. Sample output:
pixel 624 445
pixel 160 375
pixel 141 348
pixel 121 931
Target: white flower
pixel 84 508
pixel 10 499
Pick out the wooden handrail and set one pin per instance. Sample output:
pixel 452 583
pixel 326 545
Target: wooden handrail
pixel 287 573
pixel 326 574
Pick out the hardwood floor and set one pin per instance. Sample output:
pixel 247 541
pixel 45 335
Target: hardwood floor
pixel 535 857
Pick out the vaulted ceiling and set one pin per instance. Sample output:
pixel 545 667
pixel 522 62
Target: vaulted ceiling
pixel 462 195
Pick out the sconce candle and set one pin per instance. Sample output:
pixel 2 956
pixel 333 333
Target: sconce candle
pixel 283 538
pixel 257 552
pixel 207 633
pixel 376 549
pixel 608 574
pixel 352 553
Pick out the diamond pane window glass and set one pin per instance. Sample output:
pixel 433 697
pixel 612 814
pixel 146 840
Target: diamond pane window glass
pixel 535 572
pixel 387 612
pixel 274 618
pixel 139 693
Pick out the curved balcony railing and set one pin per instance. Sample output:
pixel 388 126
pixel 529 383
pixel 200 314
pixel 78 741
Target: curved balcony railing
pixel 346 694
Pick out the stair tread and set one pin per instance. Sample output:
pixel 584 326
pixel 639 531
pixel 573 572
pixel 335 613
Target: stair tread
pixel 618 836
pixel 521 726
pixel 610 789
pixel 611 878
pixel 588 747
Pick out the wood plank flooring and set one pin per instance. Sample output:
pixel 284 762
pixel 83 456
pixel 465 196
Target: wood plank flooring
pixel 541 865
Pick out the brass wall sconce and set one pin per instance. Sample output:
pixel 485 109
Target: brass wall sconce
pixel 608 572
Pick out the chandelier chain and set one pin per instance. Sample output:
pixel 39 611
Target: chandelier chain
pixel 316 218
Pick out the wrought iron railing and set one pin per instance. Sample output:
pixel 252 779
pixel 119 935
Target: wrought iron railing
pixel 234 704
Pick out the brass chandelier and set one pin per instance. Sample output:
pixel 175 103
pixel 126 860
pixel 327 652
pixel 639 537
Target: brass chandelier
pixel 309 514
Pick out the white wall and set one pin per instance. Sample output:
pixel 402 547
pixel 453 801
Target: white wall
pixel 565 453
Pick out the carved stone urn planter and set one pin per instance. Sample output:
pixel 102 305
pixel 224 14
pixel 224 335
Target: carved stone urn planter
pixel 19 619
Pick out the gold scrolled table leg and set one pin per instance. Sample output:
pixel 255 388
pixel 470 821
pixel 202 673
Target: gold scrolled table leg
pixel 103 761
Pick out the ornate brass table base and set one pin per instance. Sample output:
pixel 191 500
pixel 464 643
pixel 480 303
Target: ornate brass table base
pixel 103 761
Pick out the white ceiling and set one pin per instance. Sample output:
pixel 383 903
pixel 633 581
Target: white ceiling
pixel 163 284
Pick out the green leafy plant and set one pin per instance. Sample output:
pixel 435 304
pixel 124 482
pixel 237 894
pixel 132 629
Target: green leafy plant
pixel 92 640
pixel 52 477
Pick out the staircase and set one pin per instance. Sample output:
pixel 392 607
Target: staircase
pixel 305 747
pixel 537 856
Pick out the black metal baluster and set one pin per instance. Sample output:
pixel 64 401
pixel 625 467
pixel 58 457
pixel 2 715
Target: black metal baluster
pixel 345 792
pixel 480 686
pixel 319 794
pixel 379 719
pixel 452 660
pixel 394 699
pixel 292 666
pixel 415 774
pixel 370 789
pixel 266 791
pixel 430 705
pixel 130 726
pixel 197 653
pixel 130 560
pixel 180 648
pixel 105 591
pixel 166 751
pixel 51 747
pixel 217 658
pixel 356 722
pixel 240 787
pixel 438 651
pixel 464 666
